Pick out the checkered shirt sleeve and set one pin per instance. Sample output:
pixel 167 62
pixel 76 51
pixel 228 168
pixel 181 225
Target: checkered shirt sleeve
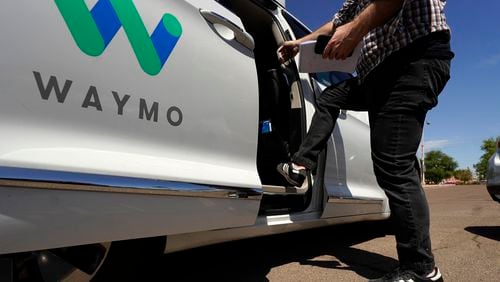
pixel 416 19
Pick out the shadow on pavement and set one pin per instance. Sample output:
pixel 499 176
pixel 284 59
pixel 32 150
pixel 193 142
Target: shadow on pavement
pixel 252 259
pixel 491 232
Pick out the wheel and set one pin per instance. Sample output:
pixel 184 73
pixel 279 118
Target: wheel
pixel 78 263
pixel 117 261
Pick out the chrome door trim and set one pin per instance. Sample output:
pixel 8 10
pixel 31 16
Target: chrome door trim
pixel 75 181
pixel 349 206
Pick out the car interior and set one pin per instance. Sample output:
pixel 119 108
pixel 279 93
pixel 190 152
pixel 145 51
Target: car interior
pixel 281 111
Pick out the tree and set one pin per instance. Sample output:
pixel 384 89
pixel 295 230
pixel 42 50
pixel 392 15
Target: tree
pixel 488 147
pixel 464 175
pixel 438 166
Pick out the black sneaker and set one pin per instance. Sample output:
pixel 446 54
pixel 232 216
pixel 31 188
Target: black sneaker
pixel 293 176
pixel 399 275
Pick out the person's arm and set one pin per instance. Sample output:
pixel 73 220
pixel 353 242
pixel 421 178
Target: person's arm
pixel 346 12
pixel 290 48
pixel 347 36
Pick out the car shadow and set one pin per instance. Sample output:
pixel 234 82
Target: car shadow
pixel 490 232
pixel 253 259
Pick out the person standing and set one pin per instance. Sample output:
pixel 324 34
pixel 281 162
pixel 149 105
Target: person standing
pixel 403 67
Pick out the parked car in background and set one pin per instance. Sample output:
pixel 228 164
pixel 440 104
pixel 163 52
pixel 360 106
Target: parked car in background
pixel 493 176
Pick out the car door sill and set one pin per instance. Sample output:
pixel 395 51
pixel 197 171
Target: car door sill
pixel 284 190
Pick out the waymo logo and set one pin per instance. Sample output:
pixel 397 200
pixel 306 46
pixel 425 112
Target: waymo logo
pixel 93 30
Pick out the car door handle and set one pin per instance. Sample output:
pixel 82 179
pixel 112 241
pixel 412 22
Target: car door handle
pixel 241 36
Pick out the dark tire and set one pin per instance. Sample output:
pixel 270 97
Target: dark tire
pixel 132 260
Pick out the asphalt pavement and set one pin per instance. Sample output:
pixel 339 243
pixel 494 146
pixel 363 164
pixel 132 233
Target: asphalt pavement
pixel 465 232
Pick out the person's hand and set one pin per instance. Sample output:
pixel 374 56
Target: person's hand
pixel 343 42
pixel 288 50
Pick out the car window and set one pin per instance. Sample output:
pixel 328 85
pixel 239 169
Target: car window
pixel 330 78
pixel 297 27
pixel 225 3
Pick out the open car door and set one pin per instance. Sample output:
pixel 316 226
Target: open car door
pixel 125 118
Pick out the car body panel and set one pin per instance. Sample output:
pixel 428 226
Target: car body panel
pixel 34 219
pixel 85 133
pixel 269 225
pixel 348 167
pixel 70 137
pixel 493 175
pixel 90 165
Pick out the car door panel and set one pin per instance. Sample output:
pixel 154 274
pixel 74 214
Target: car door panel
pixel 65 109
pixel 206 81
pixel 349 181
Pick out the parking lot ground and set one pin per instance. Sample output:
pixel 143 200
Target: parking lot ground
pixel 465 230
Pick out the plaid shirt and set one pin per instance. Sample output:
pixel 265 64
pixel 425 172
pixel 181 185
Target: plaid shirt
pixel 417 18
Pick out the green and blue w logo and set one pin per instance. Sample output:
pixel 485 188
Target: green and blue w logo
pixel 93 30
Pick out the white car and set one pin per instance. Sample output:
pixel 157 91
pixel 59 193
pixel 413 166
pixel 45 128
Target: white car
pixel 493 181
pixel 127 119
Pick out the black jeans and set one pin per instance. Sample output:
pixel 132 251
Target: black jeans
pixel 397 96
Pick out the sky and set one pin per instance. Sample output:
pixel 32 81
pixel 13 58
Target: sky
pixel 469 107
